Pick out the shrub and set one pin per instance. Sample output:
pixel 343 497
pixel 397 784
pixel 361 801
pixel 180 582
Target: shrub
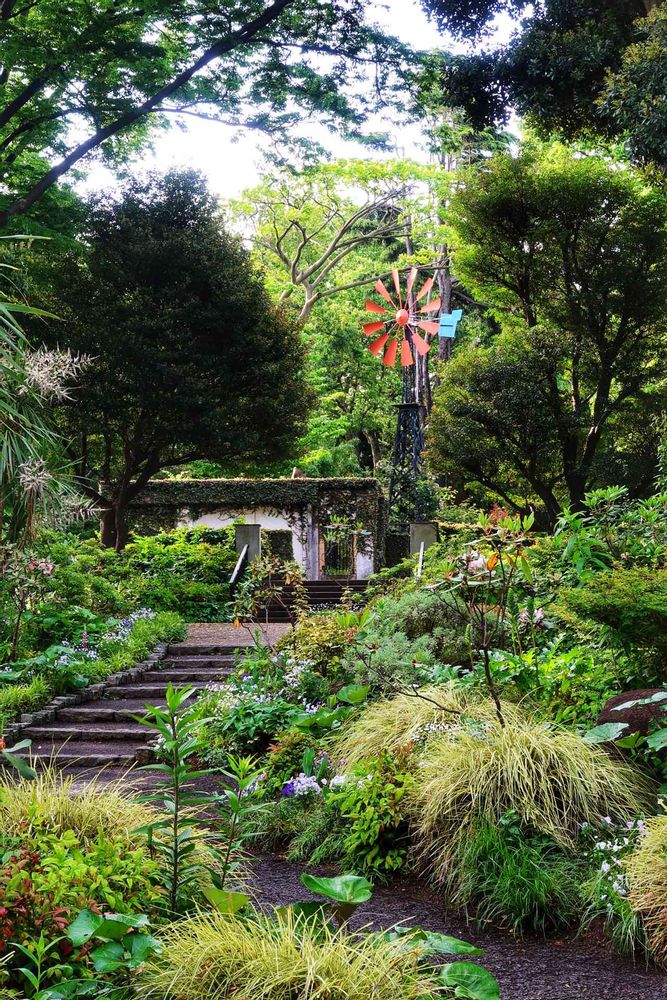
pixel 646 869
pixel 323 642
pixel 63 850
pixel 549 777
pixel 211 956
pixel 371 802
pixel 392 724
pixel 284 758
pixel 516 878
pixel 88 812
pixel 18 698
pixel 632 603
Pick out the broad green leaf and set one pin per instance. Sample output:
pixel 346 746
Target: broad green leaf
pixel 306 909
pixel 657 740
pixel 342 888
pixel 141 947
pixel 654 699
pixel 353 694
pixel 83 927
pixel 226 902
pixel 108 957
pixel 431 942
pixel 604 733
pixel 470 981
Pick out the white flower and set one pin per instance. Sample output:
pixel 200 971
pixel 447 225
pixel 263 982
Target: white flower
pixel 48 372
pixel 34 476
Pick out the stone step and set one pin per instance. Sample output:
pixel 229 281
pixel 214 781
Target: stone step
pixel 193 649
pixel 103 711
pixel 197 662
pixel 85 753
pixel 152 691
pixel 94 731
pixel 185 675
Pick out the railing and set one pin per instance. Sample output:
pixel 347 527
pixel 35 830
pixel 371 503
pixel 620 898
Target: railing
pixel 420 563
pixel 238 569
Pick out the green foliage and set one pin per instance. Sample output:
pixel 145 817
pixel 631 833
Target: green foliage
pixel 321 640
pixel 174 58
pixel 173 838
pixel 607 849
pixel 517 878
pixel 578 69
pixel 284 758
pixel 18 698
pixel 549 777
pixel 646 869
pixel 211 956
pixel 192 352
pixel 631 604
pixel 372 805
pixel 575 322
pixel 60 852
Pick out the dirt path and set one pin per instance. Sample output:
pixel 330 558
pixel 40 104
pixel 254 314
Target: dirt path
pixel 559 969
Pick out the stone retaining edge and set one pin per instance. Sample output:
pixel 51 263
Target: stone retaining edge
pixel 94 692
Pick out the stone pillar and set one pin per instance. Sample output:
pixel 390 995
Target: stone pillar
pixel 422 531
pixel 250 535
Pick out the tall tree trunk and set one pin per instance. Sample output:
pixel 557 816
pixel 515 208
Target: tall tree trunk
pixel 108 528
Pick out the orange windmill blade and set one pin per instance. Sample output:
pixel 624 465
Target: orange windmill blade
pixel 402 322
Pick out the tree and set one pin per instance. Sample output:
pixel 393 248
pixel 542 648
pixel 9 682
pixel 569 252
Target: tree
pixel 565 67
pixel 189 358
pixel 102 75
pixel 310 223
pixel 572 256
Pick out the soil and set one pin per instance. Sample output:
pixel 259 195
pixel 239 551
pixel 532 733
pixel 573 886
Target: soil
pixel 563 968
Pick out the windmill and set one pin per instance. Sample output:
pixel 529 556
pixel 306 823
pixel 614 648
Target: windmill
pixel 404 319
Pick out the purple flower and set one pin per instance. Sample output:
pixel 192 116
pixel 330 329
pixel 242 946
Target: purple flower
pixel 288 790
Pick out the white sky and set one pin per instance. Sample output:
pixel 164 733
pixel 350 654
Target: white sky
pixel 231 166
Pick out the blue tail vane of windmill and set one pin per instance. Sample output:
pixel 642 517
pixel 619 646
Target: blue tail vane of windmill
pixel 449 322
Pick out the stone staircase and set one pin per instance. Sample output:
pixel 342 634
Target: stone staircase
pixel 324 594
pixel 103 732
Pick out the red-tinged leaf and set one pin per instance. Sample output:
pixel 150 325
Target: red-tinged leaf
pixel 492 562
pixel 406 354
pixel 377 346
pixel 390 354
pixel 420 344
pixel 371 328
pixel 432 306
pixel 428 325
pixel 381 290
pixel 375 307
pixel 425 289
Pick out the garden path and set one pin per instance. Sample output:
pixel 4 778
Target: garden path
pixel 563 968
pixel 101 732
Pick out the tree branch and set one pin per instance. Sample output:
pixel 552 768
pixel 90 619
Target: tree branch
pixel 215 51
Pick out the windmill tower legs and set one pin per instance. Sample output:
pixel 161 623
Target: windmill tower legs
pixel 406 464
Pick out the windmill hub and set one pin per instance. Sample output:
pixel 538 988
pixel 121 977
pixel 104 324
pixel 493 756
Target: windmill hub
pixel 402 317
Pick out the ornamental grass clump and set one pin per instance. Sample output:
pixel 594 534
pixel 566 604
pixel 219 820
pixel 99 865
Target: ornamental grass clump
pixel 212 956
pixel 548 777
pixel 646 872
pixel 52 802
pixel 392 724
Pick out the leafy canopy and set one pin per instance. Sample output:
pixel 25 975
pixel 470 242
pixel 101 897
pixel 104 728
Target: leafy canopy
pixel 107 73
pixel 190 357
pixel 571 255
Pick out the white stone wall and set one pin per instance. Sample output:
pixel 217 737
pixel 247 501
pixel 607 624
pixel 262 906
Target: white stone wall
pixel 305 535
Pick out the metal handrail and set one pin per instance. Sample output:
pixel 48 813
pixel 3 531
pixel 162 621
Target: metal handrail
pixel 420 563
pixel 238 569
